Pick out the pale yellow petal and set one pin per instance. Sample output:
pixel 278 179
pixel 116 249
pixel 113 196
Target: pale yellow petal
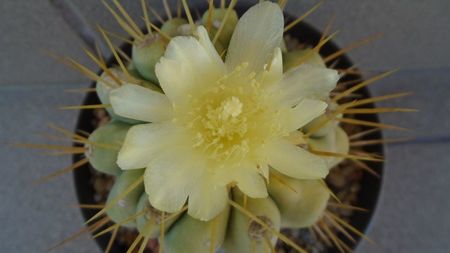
pixel 136 102
pixel 188 67
pixel 252 183
pixel 295 161
pixel 247 177
pixel 257 34
pixel 306 81
pixel 207 44
pixel 207 200
pixel 297 57
pixel 170 177
pixel 303 113
pixel 263 169
pixel 142 142
pixel 273 73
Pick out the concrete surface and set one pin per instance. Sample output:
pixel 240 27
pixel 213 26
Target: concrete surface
pixel 33 218
pixel 413 213
pixel 29 28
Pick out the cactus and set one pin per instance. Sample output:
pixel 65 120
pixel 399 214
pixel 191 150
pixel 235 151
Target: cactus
pixel 122 207
pixel 210 222
pixel 247 235
pixel 192 235
pixel 103 157
pixel 220 136
pixel 301 202
pixel 145 55
pixel 175 27
pixel 149 224
pixel 214 20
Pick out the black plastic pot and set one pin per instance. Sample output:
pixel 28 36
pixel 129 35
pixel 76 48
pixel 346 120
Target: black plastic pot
pixel 370 185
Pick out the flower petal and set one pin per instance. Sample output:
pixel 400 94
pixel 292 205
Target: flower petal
pixel 247 177
pixel 304 112
pixel 294 161
pixel 274 73
pixel 142 142
pixel 170 177
pixel 136 102
pixel 306 81
pixel 188 66
pixel 207 200
pixel 257 34
pixel 263 169
pixel 252 183
pixel 205 41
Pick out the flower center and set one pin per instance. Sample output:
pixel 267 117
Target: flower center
pixel 229 120
pixel 232 107
pixel 221 128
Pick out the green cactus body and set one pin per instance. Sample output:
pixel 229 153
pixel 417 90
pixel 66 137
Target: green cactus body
pixel 294 58
pixel 145 55
pixel 134 72
pixel 219 47
pixel 105 145
pixel 189 235
pixel 174 27
pixel 336 141
pixel 228 29
pixel 140 80
pixel 126 206
pixel 301 202
pixel 149 223
pixel 247 235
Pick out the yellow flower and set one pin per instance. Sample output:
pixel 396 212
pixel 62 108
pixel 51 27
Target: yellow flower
pixel 222 123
